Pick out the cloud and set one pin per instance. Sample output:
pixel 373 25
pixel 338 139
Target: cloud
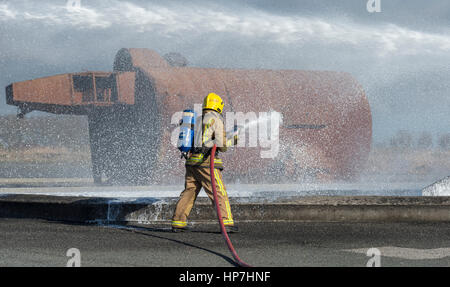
pixel 178 19
pixel 6 13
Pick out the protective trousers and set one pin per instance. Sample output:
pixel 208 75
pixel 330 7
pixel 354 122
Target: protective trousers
pixel 196 178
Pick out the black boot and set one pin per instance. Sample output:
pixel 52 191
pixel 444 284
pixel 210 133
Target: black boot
pixel 232 229
pixel 179 229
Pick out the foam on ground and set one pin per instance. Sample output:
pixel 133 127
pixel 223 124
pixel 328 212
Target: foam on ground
pixel 257 191
pixel 439 188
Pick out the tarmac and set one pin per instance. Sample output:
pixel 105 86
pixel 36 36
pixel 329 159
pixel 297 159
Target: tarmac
pixel 34 242
pixel 39 224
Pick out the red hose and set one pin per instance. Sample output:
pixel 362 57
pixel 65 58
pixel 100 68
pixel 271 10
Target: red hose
pixel 219 215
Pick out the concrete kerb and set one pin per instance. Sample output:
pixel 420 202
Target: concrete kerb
pixel 159 210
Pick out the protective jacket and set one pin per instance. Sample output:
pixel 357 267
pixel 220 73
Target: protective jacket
pixel 209 130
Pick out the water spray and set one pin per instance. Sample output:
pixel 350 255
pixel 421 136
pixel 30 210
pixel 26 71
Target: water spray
pixel 265 118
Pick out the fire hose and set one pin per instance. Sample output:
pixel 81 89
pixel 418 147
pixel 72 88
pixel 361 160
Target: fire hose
pixel 219 215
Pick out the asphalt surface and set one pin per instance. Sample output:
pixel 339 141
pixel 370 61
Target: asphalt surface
pixel 25 242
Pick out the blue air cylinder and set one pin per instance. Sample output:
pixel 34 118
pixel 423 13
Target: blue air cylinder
pixel 186 137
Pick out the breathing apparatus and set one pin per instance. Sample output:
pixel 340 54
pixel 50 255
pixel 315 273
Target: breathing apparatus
pixel 186 137
pixel 187 124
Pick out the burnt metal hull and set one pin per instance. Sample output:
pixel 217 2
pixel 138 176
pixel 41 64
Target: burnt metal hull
pixel 326 131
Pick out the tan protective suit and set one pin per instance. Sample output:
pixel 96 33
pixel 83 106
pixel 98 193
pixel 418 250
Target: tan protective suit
pixel 208 132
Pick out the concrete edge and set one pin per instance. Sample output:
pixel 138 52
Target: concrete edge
pixel 159 210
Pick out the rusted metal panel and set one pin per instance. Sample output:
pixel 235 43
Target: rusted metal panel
pixel 332 103
pixel 94 88
pixel 49 90
pixel 74 90
pixel 83 88
pixel 126 85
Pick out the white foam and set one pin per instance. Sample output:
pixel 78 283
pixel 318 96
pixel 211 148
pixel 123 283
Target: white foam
pixel 439 188
pixel 265 191
pixel 407 253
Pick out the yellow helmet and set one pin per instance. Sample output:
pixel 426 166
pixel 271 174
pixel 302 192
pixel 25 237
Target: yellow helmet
pixel 213 102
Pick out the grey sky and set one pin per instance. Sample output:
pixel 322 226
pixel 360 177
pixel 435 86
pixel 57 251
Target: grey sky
pixel 401 56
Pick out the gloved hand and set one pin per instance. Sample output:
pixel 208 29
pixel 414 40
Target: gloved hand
pixel 234 134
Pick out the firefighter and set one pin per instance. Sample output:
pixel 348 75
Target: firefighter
pixel 209 130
